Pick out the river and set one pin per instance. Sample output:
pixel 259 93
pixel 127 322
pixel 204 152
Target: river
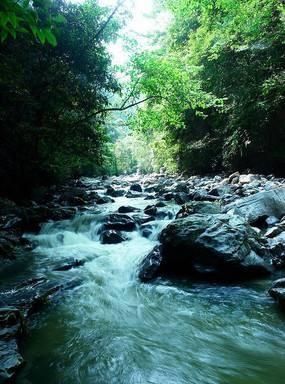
pixel 112 329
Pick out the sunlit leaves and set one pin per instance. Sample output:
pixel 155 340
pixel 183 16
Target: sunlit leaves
pixel 29 17
pixel 220 75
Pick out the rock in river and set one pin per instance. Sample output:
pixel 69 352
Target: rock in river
pixel 119 222
pixel 136 187
pixel 260 205
pixel 112 237
pixel 217 246
pixel 277 291
pixel 127 209
pixel 150 265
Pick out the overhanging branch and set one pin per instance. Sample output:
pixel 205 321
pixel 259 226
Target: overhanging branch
pixel 121 108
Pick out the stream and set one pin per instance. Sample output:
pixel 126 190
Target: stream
pixel 113 329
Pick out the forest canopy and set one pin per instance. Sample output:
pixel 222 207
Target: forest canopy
pixel 49 95
pixel 219 79
pixel 212 85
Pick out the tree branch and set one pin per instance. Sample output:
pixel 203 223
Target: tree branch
pixel 131 93
pixel 104 25
pixel 122 108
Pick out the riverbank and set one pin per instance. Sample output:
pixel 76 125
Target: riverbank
pixel 117 212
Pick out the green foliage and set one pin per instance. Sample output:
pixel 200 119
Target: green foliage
pixel 29 17
pixel 135 152
pixel 48 96
pixel 219 78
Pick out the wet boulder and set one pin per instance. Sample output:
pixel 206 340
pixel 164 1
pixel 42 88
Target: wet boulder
pixel 149 196
pixel 127 209
pixel 31 295
pixel 111 236
pixel 260 206
pixel 111 191
pixel 203 207
pixel 160 204
pixel 104 200
pixel 120 222
pixel 181 198
pixel 74 196
pixel 10 222
pixel 213 246
pixel 168 196
pixel 277 292
pixel 181 186
pixel 136 187
pixel 150 210
pixel 33 217
pixel 149 268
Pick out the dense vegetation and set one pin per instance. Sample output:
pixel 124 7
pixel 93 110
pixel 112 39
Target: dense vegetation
pixel 216 87
pixel 53 83
pixel 213 90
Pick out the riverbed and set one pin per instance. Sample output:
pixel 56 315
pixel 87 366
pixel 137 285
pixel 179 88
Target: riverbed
pixel 113 329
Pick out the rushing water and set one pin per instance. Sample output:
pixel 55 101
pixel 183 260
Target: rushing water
pixel 112 329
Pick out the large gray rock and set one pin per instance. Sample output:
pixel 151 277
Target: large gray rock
pixel 260 205
pixel 218 246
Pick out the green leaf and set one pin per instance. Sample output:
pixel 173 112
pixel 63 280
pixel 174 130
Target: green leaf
pixel 13 20
pixel 34 30
pixel 50 37
pixel 4 19
pixel 41 35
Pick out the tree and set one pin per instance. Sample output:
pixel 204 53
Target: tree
pixel 55 90
pixel 222 78
pixel 29 17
